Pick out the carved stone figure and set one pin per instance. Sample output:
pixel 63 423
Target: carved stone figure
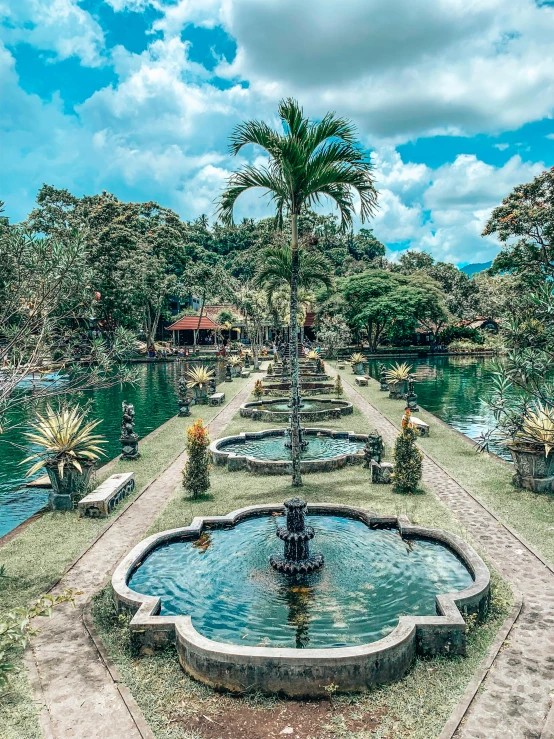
pixel 129 439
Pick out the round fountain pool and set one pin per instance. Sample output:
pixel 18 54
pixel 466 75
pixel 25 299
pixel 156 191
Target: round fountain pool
pixel 264 452
pixel 312 409
pixel 370 578
pixel 383 592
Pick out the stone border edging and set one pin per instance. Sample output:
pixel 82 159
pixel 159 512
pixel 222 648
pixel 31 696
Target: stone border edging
pixel 463 705
pixel 300 673
pixel 251 409
pixel 512 531
pixel 257 465
pixel 126 696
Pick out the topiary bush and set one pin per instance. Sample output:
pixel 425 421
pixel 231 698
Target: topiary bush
pixel 339 390
pixel 196 474
pixel 407 459
pixel 258 391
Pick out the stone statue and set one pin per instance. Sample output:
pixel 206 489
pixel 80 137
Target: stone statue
pixel 374 450
pixel 228 374
pixel 383 378
pixel 211 386
pixel 184 398
pixel 411 397
pixel 129 439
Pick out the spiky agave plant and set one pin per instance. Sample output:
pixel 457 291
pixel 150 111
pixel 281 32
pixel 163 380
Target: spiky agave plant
pixel 199 377
pixel 398 372
pixel 356 358
pixel 235 361
pixel 312 354
pixel 538 427
pixel 65 438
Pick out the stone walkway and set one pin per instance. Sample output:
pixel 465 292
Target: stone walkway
pixel 76 696
pixel 516 696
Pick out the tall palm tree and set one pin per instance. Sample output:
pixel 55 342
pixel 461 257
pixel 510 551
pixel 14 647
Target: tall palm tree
pixel 276 269
pixel 307 160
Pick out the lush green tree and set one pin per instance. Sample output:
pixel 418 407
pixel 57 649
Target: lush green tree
pixel 332 333
pixel 47 303
pixel 379 303
pixel 461 293
pixel 524 223
pixel 196 474
pixel 307 160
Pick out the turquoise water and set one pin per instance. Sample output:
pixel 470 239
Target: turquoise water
pixel 454 389
pixel 154 398
pixel 273 448
pixel 370 577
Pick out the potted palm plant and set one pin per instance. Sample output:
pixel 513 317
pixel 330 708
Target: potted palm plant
pixel 198 379
pixel 357 363
pixel 235 363
pixel 532 449
pixel 397 380
pixel 68 452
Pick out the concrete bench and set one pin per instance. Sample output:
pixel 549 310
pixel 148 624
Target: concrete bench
pixel 245 373
pixel 362 381
pixel 420 426
pixel 106 496
pixel 341 366
pixel 217 398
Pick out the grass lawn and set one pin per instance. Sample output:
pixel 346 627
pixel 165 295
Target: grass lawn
pixel 415 708
pixel 483 475
pixel 39 555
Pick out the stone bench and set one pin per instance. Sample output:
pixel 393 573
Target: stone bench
pixel 362 381
pixel 217 398
pixel 106 496
pixel 341 366
pixel 420 426
pixel 245 373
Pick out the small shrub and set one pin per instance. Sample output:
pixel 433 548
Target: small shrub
pixel 339 390
pixel 407 459
pixel 196 474
pixel 270 368
pixel 258 391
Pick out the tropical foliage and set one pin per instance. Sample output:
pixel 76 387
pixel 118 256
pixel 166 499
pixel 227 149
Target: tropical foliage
pixel 16 627
pixel 398 372
pixel 407 459
pixel 65 439
pixel 307 161
pixel 199 377
pixel 196 474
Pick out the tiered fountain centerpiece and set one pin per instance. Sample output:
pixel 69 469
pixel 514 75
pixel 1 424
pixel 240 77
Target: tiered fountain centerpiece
pixel 297 559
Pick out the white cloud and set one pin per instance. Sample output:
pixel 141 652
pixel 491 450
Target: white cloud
pixel 61 26
pixel 501 147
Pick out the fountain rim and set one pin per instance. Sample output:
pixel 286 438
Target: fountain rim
pixel 145 608
pixel 280 466
pixel 345 407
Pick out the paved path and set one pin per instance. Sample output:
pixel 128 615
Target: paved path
pixel 515 698
pixel 76 695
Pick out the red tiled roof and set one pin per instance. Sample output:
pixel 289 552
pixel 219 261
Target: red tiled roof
pixel 309 320
pixel 189 323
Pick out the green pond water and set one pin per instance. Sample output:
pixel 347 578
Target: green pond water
pixel 454 388
pixel 370 577
pixel 273 448
pixel 154 398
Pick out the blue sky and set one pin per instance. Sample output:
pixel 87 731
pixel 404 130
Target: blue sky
pixel 454 98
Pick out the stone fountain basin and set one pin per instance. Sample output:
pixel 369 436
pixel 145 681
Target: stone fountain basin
pixel 304 672
pixel 308 387
pixel 259 410
pixel 261 466
pixel 304 377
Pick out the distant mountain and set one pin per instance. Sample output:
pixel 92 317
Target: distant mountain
pixel 472 269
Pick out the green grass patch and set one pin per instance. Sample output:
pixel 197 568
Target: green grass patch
pixel 483 475
pixel 35 559
pixel 414 708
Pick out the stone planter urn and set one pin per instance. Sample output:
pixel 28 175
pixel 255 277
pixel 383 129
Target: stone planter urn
pixel 398 390
pixel 533 469
pixel 66 488
pixel 200 394
pixel 358 368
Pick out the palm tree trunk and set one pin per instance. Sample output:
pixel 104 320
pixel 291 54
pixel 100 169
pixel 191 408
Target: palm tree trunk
pixel 293 344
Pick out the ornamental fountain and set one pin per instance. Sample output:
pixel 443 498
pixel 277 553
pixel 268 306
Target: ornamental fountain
pixel 297 559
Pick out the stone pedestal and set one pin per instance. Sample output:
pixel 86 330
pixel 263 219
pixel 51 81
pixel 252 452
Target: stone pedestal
pixel 381 473
pixel 535 484
pixel 420 426
pixel 411 402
